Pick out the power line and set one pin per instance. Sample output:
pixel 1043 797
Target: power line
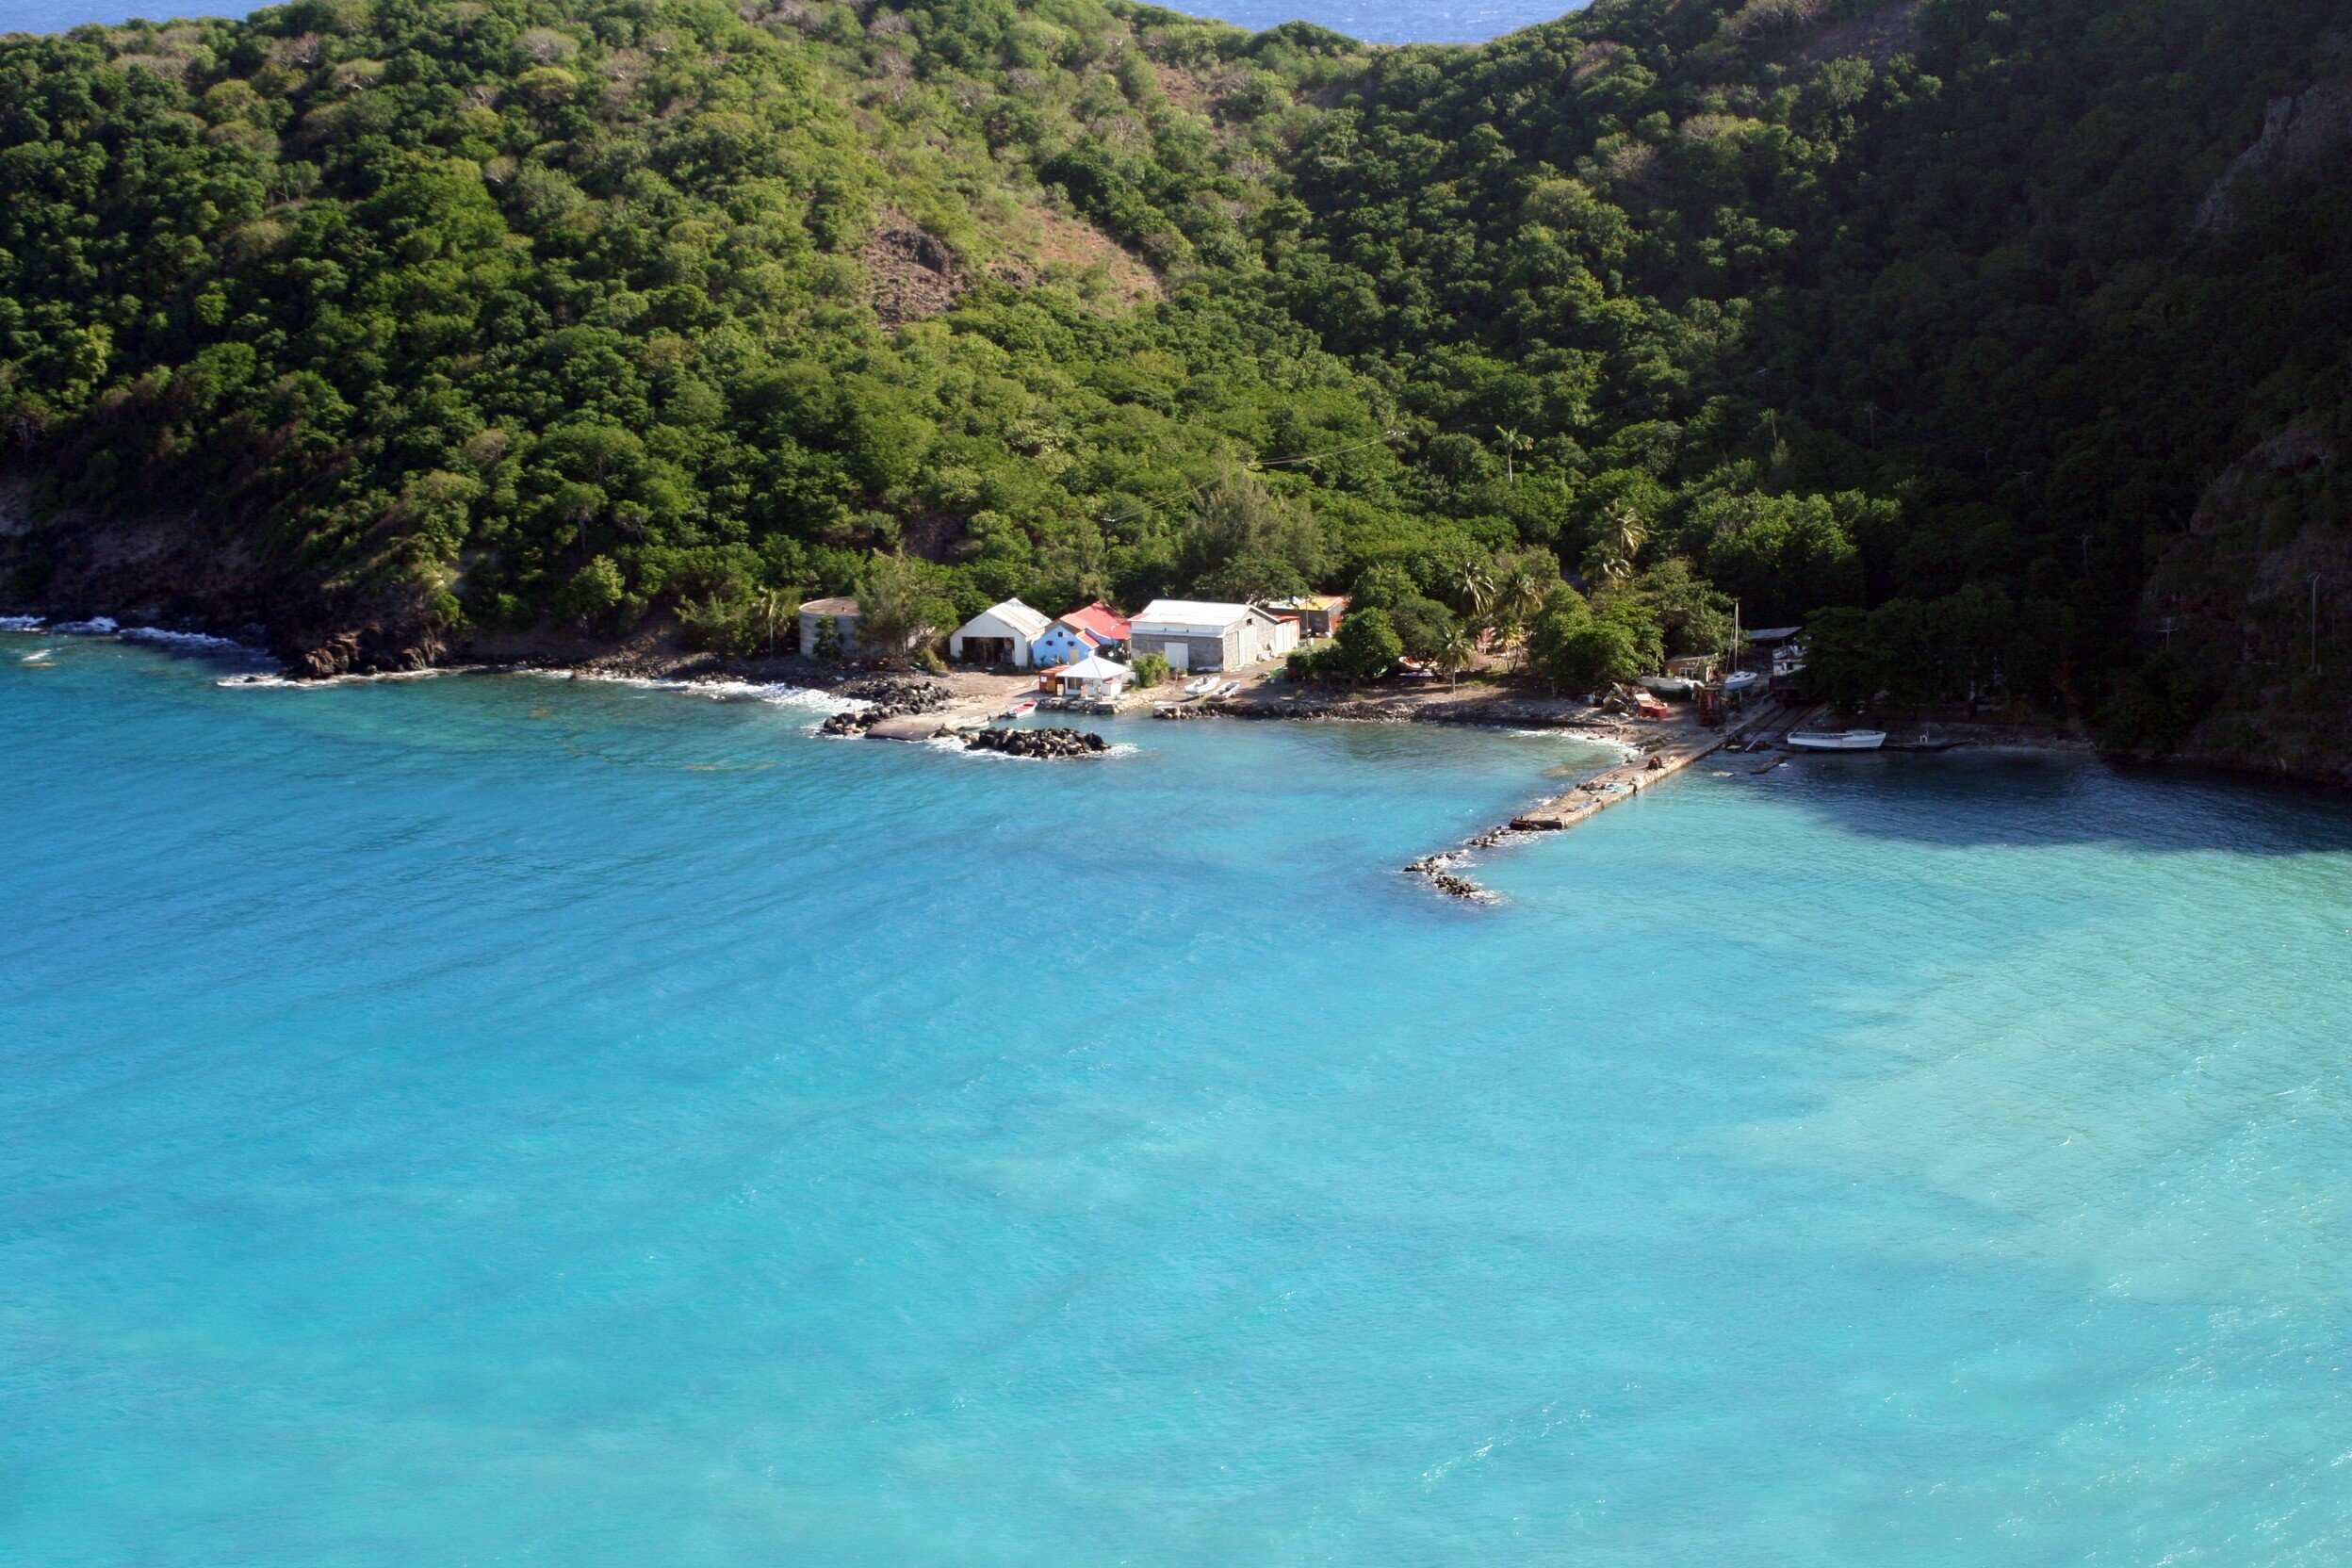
pixel 1317 457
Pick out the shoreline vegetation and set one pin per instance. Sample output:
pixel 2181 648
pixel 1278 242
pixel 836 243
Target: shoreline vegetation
pixel 2006 351
pixel 962 704
pixel 966 697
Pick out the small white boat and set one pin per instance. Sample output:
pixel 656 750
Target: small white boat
pixel 1742 681
pixel 1200 686
pixel 1837 740
pixel 1021 710
pixel 1231 688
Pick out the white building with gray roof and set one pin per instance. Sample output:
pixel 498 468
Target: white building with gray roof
pixel 1196 635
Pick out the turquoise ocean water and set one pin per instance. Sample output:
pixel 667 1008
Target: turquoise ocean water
pixel 506 1120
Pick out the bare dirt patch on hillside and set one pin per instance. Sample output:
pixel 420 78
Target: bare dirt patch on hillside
pixel 909 276
pixel 1053 247
pixel 1877 36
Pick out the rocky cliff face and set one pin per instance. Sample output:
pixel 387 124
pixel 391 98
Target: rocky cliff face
pixel 2296 133
pixel 168 569
pixel 2249 616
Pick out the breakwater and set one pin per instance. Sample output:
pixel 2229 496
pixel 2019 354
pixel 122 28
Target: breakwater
pixel 1678 749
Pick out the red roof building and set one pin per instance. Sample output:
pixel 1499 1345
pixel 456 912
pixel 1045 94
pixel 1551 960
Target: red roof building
pixel 1082 634
pixel 1101 619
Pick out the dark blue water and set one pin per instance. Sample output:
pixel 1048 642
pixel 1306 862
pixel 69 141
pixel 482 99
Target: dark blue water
pixel 505 1120
pixel 1374 20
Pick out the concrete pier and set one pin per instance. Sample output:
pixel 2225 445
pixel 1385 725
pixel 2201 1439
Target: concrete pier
pixel 1601 792
pixel 1627 780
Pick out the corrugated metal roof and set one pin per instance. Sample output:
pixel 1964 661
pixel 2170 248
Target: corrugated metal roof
pixel 1161 614
pixel 1099 619
pixel 1029 623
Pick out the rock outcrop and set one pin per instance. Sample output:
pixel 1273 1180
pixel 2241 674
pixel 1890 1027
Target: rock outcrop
pixel 1044 745
pixel 171 570
pixel 900 693
pixel 1438 871
pixel 910 275
pixel 2296 133
pixel 2248 616
pixel 887 696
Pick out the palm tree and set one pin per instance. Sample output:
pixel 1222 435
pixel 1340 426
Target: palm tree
pixel 777 609
pixel 1456 652
pixel 1520 595
pixel 1477 588
pixel 1619 544
pixel 1518 599
pixel 1512 442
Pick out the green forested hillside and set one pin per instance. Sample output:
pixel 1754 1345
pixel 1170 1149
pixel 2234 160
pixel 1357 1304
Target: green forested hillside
pixel 1932 321
pixel 570 311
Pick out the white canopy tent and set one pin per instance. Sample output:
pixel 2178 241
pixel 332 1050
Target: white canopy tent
pixel 1091 676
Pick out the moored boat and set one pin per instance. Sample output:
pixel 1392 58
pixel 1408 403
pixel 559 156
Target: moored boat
pixel 1837 740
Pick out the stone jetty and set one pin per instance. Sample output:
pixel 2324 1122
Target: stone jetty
pixel 887 698
pixel 1597 795
pixel 1044 745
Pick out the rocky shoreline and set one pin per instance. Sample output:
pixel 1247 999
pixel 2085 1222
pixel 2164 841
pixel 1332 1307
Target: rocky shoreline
pixel 885 697
pixel 653 654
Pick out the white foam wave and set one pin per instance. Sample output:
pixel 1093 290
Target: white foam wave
pixel 804 696
pixel 38 656
pixel 778 694
pixel 19 623
pixel 97 625
pixel 181 639
pixel 1586 736
pixel 288 683
pixel 774 693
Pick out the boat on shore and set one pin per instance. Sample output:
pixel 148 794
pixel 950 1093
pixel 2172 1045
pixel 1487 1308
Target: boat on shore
pixel 1740 682
pixel 1673 687
pixel 1836 739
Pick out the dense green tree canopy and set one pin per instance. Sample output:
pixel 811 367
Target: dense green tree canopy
pixel 1938 312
